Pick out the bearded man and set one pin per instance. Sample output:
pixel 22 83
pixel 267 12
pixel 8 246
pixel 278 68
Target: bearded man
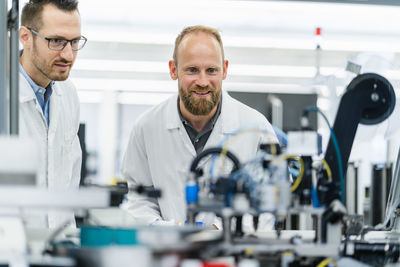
pixel 165 140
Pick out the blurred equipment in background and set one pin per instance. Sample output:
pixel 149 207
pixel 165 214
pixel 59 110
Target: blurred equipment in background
pixel 351 197
pixel 82 138
pixel 276 110
pixel 380 186
pixel 292 104
pixel 19 161
pixel 393 201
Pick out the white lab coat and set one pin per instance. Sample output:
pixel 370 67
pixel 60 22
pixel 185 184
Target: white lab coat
pixel 160 152
pixel 60 151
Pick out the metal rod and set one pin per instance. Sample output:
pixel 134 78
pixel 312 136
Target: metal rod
pixel 4 84
pixel 14 68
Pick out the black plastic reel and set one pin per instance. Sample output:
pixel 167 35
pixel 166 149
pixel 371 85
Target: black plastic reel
pixel 382 97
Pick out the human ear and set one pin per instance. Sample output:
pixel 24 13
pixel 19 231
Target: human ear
pixel 25 36
pixel 173 70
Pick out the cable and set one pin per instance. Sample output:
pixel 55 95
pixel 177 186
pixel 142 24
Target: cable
pixel 326 262
pixel 230 138
pixel 314 193
pixel 301 172
pixel 327 168
pixel 248 129
pixel 211 151
pixel 234 137
pixel 335 144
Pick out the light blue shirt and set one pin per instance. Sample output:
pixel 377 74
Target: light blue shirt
pixel 42 94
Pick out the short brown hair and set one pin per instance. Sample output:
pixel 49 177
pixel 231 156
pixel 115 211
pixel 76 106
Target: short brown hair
pixel 31 15
pixel 198 28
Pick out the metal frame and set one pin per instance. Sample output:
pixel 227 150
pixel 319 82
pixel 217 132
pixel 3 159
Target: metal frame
pixel 4 84
pixel 9 69
pixel 13 25
pixel 42 198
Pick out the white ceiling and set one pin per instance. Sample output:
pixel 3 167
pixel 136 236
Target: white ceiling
pixel 270 44
pixel 364 2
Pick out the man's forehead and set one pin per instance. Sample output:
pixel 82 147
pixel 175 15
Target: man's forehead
pixel 51 14
pixel 204 36
pixel 59 22
pixel 196 40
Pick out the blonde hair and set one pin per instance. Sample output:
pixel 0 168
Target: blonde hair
pixel 194 29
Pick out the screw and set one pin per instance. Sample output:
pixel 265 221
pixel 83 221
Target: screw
pixel 374 97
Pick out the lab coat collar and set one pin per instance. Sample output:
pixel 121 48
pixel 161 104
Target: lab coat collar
pixel 25 91
pixel 229 114
pixel 27 94
pixel 228 117
pixel 172 118
pixel 57 89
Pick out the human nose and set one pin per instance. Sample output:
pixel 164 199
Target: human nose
pixel 67 53
pixel 202 80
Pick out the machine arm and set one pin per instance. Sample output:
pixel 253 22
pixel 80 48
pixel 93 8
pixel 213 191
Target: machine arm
pixel 369 99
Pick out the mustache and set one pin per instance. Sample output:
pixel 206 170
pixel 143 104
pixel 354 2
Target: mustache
pixel 63 61
pixel 202 89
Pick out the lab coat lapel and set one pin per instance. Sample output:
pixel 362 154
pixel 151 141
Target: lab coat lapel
pixel 55 108
pixel 174 124
pixel 55 103
pixel 226 124
pixel 229 115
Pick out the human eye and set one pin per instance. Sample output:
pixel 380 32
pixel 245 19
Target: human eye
pixel 191 69
pixel 212 70
pixel 55 42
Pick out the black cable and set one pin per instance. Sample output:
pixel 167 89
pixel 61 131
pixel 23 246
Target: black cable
pixel 211 151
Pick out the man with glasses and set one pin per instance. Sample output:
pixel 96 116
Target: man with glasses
pixel 49 108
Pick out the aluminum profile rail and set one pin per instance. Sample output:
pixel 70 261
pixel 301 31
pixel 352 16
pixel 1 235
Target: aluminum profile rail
pixel 13 25
pixel 4 71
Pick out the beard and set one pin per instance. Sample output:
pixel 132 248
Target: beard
pixel 199 106
pixel 46 68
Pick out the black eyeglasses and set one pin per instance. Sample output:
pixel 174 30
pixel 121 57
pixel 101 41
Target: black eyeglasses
pixel 59 44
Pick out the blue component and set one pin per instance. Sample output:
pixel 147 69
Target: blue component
pixel 192 193
pixel 282 136
pixel 199 224
pixel 314 197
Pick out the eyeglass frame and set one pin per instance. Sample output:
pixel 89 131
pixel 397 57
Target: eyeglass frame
pixel 67 41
